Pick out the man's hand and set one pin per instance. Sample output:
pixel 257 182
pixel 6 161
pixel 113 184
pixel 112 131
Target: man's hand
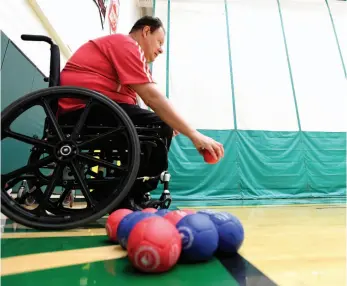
pixel 202 142
pixel 175 133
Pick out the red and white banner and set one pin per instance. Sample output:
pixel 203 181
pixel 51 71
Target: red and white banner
pixel 113 14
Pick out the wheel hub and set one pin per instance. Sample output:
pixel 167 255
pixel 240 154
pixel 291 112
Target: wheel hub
pixel 65 150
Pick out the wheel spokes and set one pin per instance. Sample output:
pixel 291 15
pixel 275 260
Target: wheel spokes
pixel 84 188
pixel 62 197
pixel 57 174
pixel 82 120
pixel 102 136
pixel 10 183
pixel 28 168
pixel 100 162
pixel 27 139
pixel 53 119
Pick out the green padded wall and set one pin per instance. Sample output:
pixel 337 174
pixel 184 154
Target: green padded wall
pixel 4 45
pixel 262 165
pixel 19 76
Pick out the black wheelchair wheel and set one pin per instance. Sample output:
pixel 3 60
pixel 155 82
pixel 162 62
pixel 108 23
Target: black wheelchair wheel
pixel 70 154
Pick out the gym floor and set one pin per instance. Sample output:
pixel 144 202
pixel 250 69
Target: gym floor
pixel 286 243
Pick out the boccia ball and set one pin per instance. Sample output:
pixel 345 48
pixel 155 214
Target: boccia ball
pixel 208 157
pixel 230 231
pixel 175 216
pixel 199 237
pixel 127 224
pixel 207 211
pixel 113 221
pixel 188 211
pixel 154 245
pixel 162 212
pixel 149 210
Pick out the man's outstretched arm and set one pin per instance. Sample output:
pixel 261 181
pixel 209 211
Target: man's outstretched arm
pixel 153 98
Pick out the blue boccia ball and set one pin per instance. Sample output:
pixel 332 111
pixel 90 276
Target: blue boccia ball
pixel 128 223
pixel 230 231
pixel 162 212
pixel 199 237
pixel 207 211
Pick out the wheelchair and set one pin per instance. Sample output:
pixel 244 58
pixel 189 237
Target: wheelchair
pixel 100 160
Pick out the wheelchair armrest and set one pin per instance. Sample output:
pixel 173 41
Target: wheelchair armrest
pixel 148 143
pixel 146 138
pixel 151 129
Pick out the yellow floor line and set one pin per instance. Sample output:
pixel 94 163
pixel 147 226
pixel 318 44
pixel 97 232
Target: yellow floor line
pixel 262 206
pixel 82 232
pixel 42 261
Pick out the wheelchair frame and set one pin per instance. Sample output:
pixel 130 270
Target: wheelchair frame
pixel 65 145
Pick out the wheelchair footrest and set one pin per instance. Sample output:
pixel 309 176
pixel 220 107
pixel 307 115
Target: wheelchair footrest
pixel 164 202
pixel 158 204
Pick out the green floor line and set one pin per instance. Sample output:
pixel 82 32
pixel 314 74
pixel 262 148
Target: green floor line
pixel 121 272
pixel 22 246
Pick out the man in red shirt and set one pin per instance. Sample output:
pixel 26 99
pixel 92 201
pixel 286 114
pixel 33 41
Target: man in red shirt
pixel 117 66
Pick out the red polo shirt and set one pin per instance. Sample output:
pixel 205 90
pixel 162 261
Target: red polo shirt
pixel 107 65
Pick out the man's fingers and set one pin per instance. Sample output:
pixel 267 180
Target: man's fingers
pixel 175 133
pixel 220 149
pixel 219 152
pixel 217 149
pixel 212 151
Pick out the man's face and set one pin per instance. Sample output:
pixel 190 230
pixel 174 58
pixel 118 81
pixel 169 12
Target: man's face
pixel 152 43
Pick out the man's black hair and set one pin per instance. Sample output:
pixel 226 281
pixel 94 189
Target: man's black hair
pixel 153 22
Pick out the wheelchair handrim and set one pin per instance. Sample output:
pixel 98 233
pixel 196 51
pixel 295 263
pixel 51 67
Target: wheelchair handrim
pixel 133 165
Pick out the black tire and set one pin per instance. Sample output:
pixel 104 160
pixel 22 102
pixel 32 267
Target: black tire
pixel 12 211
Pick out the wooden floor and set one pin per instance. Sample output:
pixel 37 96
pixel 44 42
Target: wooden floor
pixel 287 244
pixel 296 245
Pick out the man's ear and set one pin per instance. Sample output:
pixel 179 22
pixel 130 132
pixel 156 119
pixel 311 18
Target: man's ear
pixel 146 30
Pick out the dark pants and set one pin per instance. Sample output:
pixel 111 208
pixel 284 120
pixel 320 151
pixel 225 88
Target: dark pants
pixel 144 117
pixel 141 118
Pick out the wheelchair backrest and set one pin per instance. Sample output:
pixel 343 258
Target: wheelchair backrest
pixel 54 69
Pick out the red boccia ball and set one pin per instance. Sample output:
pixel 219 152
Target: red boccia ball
pixel 113 221
pixel 175 216
pixel 154 245
pixel 208 157
pixel 149 210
